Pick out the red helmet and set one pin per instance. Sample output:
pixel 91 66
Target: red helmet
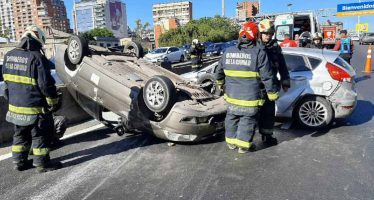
pixel 250 30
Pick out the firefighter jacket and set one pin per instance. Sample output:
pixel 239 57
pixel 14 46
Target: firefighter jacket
pixel 197 49
pixel 243 69
pixel 30 86
pixel 274 52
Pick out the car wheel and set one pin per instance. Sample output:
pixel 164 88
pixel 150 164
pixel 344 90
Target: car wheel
pixel 77 49
pixel 182 58
pixel 159 94
pixel 134 49
pixel 314 112
pixel 208 82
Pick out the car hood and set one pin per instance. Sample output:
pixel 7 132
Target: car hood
pixel 155 55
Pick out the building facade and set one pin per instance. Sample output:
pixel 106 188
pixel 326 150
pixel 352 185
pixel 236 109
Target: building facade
pixel 110 14
pixel 182 11
pixel 7 20
pixel 246 9
pixel 163 26
pixel 43 13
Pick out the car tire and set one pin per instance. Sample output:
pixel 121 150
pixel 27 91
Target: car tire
pixel 77 49
pixel 134 49
pixel 182 58
pixel 159 94
pixel 314 112
pixel 206 78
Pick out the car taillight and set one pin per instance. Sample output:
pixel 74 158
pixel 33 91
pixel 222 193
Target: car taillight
pixel 338 73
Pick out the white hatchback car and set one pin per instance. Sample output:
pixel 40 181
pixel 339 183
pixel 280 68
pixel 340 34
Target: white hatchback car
pixel 322 86
pixel 173 54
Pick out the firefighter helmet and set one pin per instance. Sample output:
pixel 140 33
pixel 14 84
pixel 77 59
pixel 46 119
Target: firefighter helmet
pixel 195 41
pixel 249 30
pixel 266 26
pixel 36 33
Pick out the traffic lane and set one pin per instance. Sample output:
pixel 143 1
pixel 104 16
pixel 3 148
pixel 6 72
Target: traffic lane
pixel 100 165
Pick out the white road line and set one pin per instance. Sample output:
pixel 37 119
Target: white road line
pixel 92 128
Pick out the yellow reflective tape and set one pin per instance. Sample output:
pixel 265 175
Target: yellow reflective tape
pixel 247 103
pixel 52 101
pixel 238 142
pixel 231 140
pixel 241 74
pixel 273 96
pixel 25 110
pixel 40 151
pixel 19 79
pixel 243 144
pixel 19 148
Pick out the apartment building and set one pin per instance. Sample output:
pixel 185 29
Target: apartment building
pixel 246 9
pixel 182 11
pixel 6 16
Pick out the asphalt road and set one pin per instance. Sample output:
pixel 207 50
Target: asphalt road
pixel 335 164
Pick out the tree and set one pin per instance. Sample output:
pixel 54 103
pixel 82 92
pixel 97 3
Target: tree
pixel 141 28
pixel 96 32
pixel 216 29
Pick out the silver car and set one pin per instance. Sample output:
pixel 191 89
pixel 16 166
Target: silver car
pixel 322 86
pixel 367 38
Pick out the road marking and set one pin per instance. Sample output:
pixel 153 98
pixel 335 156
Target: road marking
pixel 92 128
pixel 116 170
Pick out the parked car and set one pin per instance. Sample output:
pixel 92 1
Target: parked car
pixel 186 48
pixel 367 38
pixel 173 54
pixel 138 93
pixel 214 49
pixel 354 37
pixel 322 86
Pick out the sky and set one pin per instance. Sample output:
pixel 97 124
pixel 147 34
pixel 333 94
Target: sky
pixel 142 9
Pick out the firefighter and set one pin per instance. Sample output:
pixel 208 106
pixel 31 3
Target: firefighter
pixel 243 69
pixel 287 42
pixel 317 41
pixel 278 64
pixel 197 50
pixel 345 46
pixel 32 97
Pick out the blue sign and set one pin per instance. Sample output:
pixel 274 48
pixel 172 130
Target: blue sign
pixel 355 9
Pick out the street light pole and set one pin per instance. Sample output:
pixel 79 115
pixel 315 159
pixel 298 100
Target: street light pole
pixel 358 22
pixel 223 8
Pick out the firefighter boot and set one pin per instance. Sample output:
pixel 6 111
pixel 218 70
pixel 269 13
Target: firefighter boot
pixel 269 140
pixel 23 165
pixel 50 166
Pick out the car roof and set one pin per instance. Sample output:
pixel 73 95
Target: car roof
pixel 332 55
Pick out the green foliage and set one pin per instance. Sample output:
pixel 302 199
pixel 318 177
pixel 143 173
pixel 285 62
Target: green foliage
pixel 96 32
pixel 141 28
pixel 216 29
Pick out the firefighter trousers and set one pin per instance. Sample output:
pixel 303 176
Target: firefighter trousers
pixel 240 124
pixel 34 137
pixel 267 118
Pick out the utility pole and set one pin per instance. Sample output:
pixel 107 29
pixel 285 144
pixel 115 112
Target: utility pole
pixel 358 22
pixel 223 8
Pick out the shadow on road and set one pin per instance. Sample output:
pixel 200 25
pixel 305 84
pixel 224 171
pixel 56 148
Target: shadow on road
pixel 362 114
pixel 362 78
pixel 122 145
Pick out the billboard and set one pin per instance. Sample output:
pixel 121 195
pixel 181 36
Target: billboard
pixel 117 18
pixel 363 27
pixel 355 9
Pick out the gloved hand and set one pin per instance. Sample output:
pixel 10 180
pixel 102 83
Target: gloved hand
pixel 273 96
pixel 56 106
pixel 286 84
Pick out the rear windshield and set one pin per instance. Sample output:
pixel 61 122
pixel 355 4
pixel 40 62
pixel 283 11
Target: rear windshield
pixel 341 62
pixel 370 34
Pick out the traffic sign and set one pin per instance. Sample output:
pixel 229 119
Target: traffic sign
pixel 355 9
pixel 363 27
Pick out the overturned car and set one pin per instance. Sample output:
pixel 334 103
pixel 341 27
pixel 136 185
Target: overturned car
pixel 141 95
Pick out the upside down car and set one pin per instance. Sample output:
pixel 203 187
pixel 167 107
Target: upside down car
pixel 141 95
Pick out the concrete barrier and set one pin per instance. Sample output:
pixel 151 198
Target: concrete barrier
pixel 70 109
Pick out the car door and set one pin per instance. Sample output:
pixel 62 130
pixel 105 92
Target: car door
pixel 300 75
pixel 174 54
